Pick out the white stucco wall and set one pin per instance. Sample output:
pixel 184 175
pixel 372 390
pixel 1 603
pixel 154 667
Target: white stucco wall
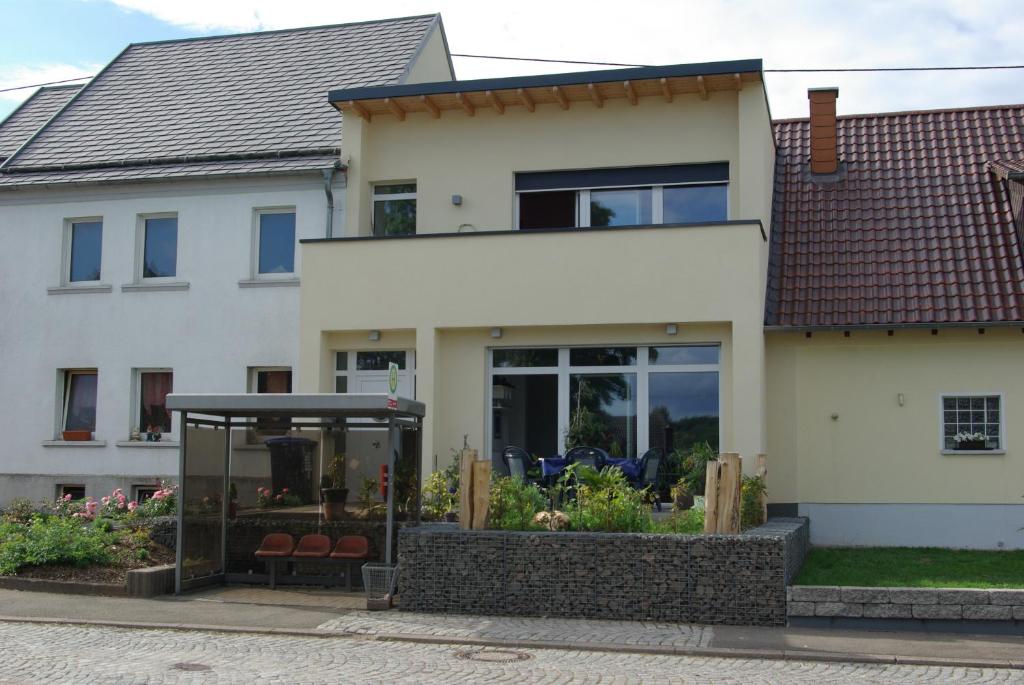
pixel 209 334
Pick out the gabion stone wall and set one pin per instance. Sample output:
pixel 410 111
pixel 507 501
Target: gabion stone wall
pixel 725 579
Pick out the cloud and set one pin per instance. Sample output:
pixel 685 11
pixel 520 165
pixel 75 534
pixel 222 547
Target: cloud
pixel 792 34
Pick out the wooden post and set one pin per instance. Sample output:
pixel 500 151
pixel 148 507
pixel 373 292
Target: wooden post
pixel 711 498
pixel 467 457
pixel 762 471
pixel 481 492
pixel 730 473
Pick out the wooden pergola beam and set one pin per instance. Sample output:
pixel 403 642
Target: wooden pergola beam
pixel 630 92
pixel 738 81
pixel 359 109
pixel 525 98
pixel 497 104
pixel 467 106
pixel 563 100
pixel 702 88
pixel 666 91
pixel 395 108
pixel 434 110
pixel 595 95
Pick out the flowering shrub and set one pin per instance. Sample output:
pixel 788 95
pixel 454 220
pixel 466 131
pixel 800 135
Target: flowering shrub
pixel 964 436
pixel 164 502
pixel 54 540
pixel 266 498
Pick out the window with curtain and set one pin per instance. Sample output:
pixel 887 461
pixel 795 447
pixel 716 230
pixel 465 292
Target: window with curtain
pixel 154 386
pixel 80 400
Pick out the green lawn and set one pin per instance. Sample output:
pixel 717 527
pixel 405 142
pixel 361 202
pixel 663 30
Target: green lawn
pixel 912 567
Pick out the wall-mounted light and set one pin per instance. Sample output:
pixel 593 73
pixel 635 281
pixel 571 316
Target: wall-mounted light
pixel 457 200
pixel 496 332
pixel 671 329
pixel 374 336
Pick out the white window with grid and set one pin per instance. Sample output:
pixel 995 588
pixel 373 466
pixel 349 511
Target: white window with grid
pixel 972 423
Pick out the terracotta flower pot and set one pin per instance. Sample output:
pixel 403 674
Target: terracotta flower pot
pixel 77 436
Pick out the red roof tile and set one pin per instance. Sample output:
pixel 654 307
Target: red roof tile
pixel 916 228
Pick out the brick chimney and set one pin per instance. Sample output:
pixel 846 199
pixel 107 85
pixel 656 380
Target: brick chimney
pixel 824 156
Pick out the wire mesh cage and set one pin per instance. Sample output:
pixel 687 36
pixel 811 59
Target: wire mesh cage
pixel 380 582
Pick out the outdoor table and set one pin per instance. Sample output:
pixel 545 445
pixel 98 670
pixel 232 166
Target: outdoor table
pixel 552 467
pixel 630 467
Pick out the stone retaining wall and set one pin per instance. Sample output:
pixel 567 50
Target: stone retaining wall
pixel 726 579
pixel 895 603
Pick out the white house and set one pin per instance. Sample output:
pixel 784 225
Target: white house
pixel 151 221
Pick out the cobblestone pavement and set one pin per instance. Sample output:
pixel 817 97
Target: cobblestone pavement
pixel 37 653
pixel 590 631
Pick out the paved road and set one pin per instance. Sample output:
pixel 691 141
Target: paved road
pixel 46 653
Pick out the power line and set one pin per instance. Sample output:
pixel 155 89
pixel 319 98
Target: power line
pixel 773 71
pixel 48 83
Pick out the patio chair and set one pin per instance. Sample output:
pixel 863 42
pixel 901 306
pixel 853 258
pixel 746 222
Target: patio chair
pixel 313 546
pixel 275 546
pixel 593 457
pixel 650 464
pixel 518 461
pixel 351 549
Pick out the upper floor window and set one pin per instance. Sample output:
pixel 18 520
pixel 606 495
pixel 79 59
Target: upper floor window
pixel 159 246
pixel 635 196
pixel 394 209
pixel 84 238
pixel 275 242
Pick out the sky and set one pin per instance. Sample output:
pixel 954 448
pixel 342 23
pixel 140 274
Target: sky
pixel 46 40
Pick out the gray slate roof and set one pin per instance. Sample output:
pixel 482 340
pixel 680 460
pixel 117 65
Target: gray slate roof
pixel 225 97
pixel 31 114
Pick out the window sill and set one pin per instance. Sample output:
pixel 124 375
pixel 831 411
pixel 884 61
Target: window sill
pixel 74 443
pixel 80 289
pixel 250 448
pixel 973 453
pixel 155 287
pixel 268 282
pixel 148 445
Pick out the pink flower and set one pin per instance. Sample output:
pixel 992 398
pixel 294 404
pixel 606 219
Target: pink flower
pixel 285 491
pixel 91 507
pixel 132 506
pixel 67 497
pixel 105 500
pixel 279 498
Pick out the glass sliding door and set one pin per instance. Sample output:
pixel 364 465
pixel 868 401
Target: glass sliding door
pixel 623 399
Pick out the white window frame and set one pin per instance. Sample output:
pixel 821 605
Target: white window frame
pixel 583 200
pixel 942 423
pixel 351 373
pixel 254 252
pixel 136 402
pixel 252 376
pixel 564 371
pixel 65 258
pixel 64 381
pixel 374 197
pixel 140 249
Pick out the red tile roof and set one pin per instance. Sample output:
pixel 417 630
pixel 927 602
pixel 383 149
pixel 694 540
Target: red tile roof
pixel 916 228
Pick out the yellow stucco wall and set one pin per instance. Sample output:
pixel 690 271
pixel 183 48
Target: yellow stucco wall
pixel 477 157
pixel 586 287
pixel 877 451
pixel 432 62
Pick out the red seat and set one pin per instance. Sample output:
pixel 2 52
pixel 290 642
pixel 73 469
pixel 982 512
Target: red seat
pixel 313 546
pixel 351 547
pixel 276 545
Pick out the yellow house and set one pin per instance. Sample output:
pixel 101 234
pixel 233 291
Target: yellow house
pixel 595 251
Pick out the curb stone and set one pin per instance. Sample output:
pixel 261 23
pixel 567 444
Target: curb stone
pixel 716 652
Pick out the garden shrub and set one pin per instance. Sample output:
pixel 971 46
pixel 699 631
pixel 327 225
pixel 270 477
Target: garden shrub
pixel 513 504
pixel 690 522
pixel 20 510
pixel 54 540
pixel 695 466
pixel 751 512
pixel 606 501
pixel 439 495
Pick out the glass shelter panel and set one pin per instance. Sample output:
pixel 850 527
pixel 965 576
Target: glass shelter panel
pixel 202 496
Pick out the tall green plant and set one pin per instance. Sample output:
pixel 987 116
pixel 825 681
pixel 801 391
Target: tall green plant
pixel 606 501
pixel 751 512
pixel 695 466
pixel 514 503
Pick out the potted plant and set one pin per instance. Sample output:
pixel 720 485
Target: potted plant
pixel 77 436
pixel 333 493
pixel 232 502
pixel 970 441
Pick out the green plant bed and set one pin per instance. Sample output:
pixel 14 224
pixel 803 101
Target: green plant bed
pixel 913 567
